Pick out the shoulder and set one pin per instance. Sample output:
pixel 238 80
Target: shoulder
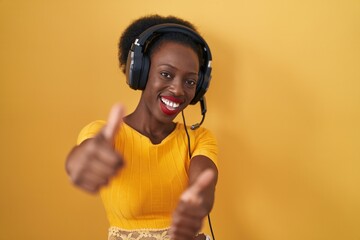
pixel 196 136
pixel 90 130
pixel 201 133
pixel 201 139
pixel 203 143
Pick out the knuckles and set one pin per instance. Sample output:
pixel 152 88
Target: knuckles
pixel 85 159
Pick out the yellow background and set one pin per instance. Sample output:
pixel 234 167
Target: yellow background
pixel 284 104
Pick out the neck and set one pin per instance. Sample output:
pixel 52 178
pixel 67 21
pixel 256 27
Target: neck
pixel 148 126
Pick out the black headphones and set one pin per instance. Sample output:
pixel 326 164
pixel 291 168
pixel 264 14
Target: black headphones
pixel 138 62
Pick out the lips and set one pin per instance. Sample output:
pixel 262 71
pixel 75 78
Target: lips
pixel 170 105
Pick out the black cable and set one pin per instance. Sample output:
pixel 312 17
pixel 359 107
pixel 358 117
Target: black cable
pixel 187 134
pixel 189 151
pixel 211 229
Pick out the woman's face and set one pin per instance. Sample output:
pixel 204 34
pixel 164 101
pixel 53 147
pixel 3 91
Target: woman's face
pixel 172 80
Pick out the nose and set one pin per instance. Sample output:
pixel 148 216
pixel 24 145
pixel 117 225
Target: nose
pixel 177 87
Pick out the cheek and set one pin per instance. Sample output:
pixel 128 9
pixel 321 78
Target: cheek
pixel 191 93
pixel 151 81
pixel 154 84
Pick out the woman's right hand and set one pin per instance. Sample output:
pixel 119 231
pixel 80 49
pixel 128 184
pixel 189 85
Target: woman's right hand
pixel 91 164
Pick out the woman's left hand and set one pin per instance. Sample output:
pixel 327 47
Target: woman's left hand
pixel 192 208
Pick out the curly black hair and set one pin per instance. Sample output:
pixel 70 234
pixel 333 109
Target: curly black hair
pixel 140 25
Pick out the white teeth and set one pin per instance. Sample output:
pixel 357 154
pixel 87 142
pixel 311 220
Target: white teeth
pixel 170 103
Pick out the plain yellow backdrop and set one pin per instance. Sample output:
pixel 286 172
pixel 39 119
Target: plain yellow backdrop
pixel 284 103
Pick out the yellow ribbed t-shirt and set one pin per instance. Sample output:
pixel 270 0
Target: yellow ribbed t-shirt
pixel 145 192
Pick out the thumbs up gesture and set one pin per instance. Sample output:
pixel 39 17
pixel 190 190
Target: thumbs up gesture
pixel 91 164
pixel 192 208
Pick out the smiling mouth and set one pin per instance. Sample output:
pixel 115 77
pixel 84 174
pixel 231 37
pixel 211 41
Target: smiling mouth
pixel 170 104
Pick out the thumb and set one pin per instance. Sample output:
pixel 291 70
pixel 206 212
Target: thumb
pixel 202 182
pixel 114 121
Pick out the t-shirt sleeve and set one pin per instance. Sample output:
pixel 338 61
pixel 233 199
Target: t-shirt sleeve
pixel 206 145
pixel 90 130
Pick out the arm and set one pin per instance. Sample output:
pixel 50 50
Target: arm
pixel 197 166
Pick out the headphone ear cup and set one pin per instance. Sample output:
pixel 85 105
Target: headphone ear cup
pixel 133 68
pixel 144 72
pixel 198 91
pixel 129 69
pixel 203 85
pixel 200 82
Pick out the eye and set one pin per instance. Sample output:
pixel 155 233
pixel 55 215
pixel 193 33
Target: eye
pixel 166 75
pixel 190 82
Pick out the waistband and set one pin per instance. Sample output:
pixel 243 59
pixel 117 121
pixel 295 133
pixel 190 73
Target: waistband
pixel 116 233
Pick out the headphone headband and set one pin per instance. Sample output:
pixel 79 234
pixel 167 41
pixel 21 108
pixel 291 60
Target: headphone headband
pixel 138 62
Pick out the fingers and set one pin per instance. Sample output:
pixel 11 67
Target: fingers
pixel 91 182
pixel 114 121
pixel 202 182
pixel 92 164
pixel 104 163
pixel 186 223
pixel 104 153
pixel 185 232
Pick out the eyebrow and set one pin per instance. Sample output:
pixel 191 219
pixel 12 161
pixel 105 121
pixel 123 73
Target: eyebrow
pixel 171 66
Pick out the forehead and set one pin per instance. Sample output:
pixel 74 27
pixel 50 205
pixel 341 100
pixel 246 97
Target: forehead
pixel 176 54
pixel 180 40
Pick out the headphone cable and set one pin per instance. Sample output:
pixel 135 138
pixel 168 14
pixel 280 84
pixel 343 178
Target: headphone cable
pixel 189 151
pixel 187 133
pixel 211 229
